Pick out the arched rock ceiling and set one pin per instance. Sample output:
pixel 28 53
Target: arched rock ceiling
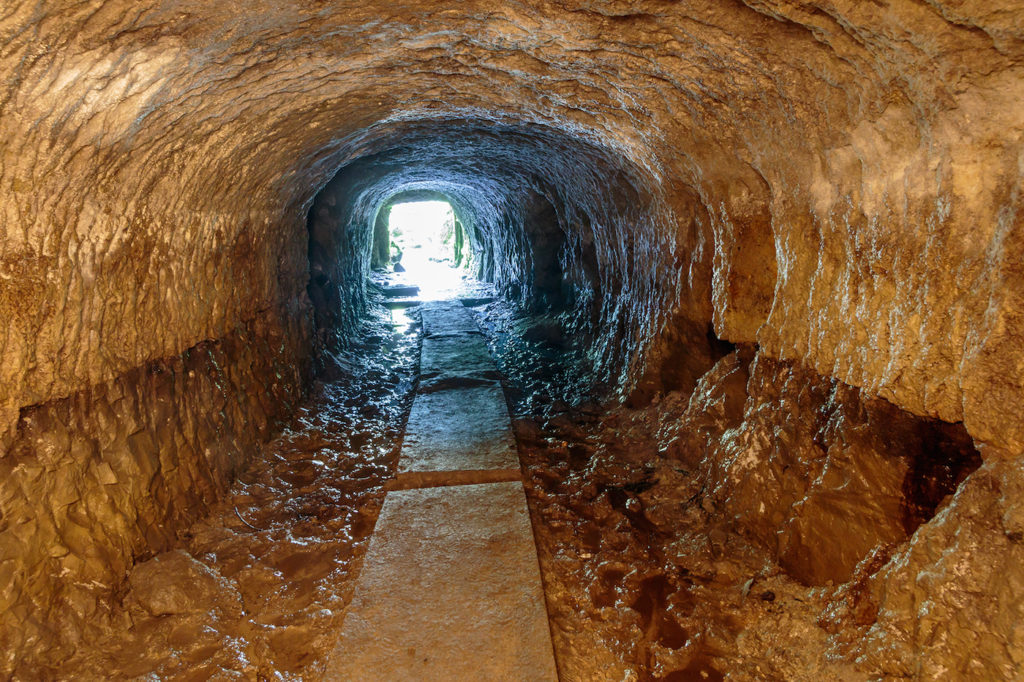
pixel 491 171
pixel 159 157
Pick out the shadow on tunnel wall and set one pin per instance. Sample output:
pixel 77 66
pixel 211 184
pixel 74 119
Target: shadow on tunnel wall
pixel 562 229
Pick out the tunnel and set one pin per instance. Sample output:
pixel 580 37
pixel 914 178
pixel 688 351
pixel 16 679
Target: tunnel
pixel 740 294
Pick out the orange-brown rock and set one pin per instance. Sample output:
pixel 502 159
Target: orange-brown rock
pixel 835 182
pixel 806 465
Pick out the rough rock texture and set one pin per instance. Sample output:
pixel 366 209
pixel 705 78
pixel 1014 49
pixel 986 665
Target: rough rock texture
pixel 174 146
pixel 110 474
pixel 835 181
pixel 949 604
pixel 174 583
pixel 289 537
pixel 811 469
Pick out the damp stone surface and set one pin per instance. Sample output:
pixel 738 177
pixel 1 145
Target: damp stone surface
pixel 750 273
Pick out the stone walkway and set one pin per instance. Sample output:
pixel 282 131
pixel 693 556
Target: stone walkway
pixel 450 588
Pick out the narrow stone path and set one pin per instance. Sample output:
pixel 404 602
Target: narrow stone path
pixel 450 588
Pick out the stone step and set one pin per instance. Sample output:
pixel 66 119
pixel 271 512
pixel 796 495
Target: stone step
pixel 450 590
pixel 453 435
pixel 400 303
pixel 447 317
pixel 480 300
pixel 401 291
pixel 456 355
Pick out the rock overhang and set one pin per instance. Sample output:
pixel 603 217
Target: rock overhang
pixel 189 141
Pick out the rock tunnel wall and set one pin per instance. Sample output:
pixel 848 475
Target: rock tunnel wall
pixel 811 468
pixel 834 182
pixel 112 473
pixel 553 221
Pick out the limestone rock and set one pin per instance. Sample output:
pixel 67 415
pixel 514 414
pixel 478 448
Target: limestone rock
pixel 174 583
pixel 809 179
pixel 114 472
pixel 835 182
pixel 951 603
pixel 813 470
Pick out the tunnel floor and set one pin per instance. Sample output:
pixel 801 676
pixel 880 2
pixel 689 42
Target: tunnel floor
pixel 258 589
pixel 450 588
pixel 640 581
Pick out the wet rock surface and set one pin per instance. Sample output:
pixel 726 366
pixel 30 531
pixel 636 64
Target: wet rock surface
pixel 949 603
pixel 643 582
pixel 174 583
pixel 114 474
pixel 807 466
pixel 258 588
pixel 832 185
pixel 662 561
pixel 774 524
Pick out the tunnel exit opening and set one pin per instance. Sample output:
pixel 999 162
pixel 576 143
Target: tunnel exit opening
pixel 428 245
